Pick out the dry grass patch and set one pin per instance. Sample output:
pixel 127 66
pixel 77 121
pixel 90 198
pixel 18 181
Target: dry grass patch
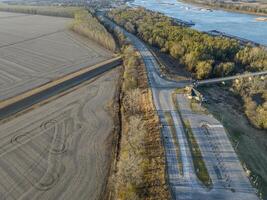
pixel 141 165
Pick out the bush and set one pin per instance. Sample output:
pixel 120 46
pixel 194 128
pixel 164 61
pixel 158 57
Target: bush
pixel 131 61
pixel 177 50
pixel 132 161
pixel 256 111
pixel 204 69
pixel 253 58
pixel 224 69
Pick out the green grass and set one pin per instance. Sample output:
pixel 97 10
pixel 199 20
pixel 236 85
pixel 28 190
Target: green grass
pixel 169 120
pixel 199 164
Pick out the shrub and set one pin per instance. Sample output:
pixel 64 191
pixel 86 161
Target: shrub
pixel 224 69
pixel 131 61
pixel 203 69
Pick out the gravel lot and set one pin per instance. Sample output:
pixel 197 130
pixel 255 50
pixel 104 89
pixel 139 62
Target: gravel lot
pixel 37 49
pixel 60 150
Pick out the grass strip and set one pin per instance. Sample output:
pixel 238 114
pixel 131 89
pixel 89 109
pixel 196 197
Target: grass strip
pixel 198 162
pixel 170 122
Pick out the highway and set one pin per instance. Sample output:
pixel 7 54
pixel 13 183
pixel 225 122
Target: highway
pixel 21 102
pixel 214 143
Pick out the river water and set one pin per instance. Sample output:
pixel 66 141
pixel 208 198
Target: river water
pixel 238 24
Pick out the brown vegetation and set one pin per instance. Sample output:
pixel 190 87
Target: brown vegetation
pixel 255 7
pixel 85 24
pixel 141 164
pixel 41 10
pixel 254 94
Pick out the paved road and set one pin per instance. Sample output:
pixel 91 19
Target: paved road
pixel 229 78
pixel 186 185
pixel 29 98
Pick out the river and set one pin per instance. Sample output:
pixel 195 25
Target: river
pixel 238 24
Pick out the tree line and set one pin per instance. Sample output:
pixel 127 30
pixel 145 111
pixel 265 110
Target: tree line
pixel 202 54
pixel 86 24
pixel 253 92
pixel 250 7
pixel 205 56
pixel 56 11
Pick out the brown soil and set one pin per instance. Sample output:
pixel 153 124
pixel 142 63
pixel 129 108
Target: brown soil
pixel 63 147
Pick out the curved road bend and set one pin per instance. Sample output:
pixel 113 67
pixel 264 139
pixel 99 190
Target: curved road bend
pixel 188 186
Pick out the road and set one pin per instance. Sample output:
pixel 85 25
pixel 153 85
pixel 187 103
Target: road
pixel 35 50
pixel 235 185
pixel 61 148
pixel 21 102
pixel 229 78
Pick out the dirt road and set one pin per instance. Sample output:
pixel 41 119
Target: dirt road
pixel 60 150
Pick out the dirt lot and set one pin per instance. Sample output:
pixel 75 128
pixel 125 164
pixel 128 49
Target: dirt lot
pixel 36 49
pixel 60 150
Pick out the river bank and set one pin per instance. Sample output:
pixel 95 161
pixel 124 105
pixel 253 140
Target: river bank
pixel 238 24
pixel 224 7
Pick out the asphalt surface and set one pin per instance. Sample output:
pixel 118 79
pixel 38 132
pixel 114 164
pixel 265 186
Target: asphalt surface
pixel 228 177
pixel 21 103
pixel 229 78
